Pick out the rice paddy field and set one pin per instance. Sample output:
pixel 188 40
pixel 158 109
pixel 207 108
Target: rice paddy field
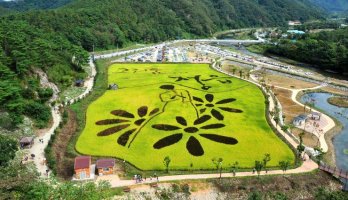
pixel 188 112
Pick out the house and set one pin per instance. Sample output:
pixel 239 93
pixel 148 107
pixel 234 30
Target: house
pixel 294 23
pixel 300 120
pixel 343 25
pixel 315 116
pixel 79 83
pixel 105 166
pixel 82 167
pixel 26 142
pixel 296 32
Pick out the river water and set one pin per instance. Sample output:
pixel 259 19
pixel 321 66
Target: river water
pixel 340 141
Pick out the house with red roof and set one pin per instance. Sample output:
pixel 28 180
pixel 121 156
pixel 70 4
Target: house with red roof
pixel 82 168
pixel 105 166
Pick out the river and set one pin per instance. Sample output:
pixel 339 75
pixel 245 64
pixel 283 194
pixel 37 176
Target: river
pixel 340 141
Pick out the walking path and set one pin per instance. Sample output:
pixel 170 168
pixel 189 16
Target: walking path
pixel 307 166
pixel 40 143
pixel 330 122
pixel 38 148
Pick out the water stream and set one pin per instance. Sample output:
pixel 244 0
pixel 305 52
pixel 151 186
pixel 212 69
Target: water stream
pixel 340 141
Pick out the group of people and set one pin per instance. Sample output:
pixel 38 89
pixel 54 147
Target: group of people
pixel 139 179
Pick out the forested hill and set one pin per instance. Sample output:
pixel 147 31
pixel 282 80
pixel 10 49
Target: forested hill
pixel 24 5
pixel 107 23
pixel 332 5
pixel 50 39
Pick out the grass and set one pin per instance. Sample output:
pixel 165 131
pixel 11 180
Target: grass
pixel 338 101
pixel 256 48
pixel 140 88
pixel 346 151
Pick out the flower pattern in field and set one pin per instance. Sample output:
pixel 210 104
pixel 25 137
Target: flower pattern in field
pixel 215 108
pixel 196 130
pixel 126 120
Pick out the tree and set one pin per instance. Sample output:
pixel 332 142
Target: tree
pixel 240 73
pixel 258 167
pixel 8 149
pixel 291 126
pixel 301 147
pixel 234 167
pixel 266 159
pixel 320 154
pixel 276 120
pixel 166 162
pixel 218 164
pixel 284 165
pixel 234 70
pixel 284 128
pixel 255 195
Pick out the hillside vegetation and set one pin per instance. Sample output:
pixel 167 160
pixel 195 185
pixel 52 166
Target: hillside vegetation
pixel 332 5
pixel 49 39
pixel 327 50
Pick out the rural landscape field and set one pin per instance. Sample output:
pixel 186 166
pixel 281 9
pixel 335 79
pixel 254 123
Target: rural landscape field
pixel 185 111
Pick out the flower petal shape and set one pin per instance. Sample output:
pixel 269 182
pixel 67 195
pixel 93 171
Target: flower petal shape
pixel 167 141
pixel 217 115
pixel 213 126
pixel 194 147
pixel 198 99
pixel 111 121
pixel 142 111
pixel 139 122
pixel 202 110
pixel 209 97
pixel 220 138
pixel 165 127
pixel 122 113
pixel 112 130
pixel 231 110
pixel 154 111
pixel 123 139
pixel 167 87
pixel 181 121
pixel 202 119
pixel 226 101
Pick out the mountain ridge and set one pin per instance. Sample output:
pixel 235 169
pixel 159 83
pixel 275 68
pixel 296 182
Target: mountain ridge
pixel 332 5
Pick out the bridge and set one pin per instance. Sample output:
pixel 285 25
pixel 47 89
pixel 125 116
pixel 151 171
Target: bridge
pixel 339 173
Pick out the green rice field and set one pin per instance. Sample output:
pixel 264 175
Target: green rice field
pixel 188 112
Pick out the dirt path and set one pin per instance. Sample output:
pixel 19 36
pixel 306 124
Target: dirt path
pixel 38 148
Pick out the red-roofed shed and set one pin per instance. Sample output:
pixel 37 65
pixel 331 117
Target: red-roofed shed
pixel 82 167
pixel 105 166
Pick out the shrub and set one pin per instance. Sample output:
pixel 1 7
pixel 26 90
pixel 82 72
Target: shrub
pixel 39 112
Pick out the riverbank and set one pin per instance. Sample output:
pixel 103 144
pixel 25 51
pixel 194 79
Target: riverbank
pixel 329 156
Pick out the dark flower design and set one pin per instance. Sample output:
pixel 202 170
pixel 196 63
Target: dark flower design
pixel 128 120
pixel 215 107
pixel 193 145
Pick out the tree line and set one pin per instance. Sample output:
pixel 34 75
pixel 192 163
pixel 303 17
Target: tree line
pixel 327 50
